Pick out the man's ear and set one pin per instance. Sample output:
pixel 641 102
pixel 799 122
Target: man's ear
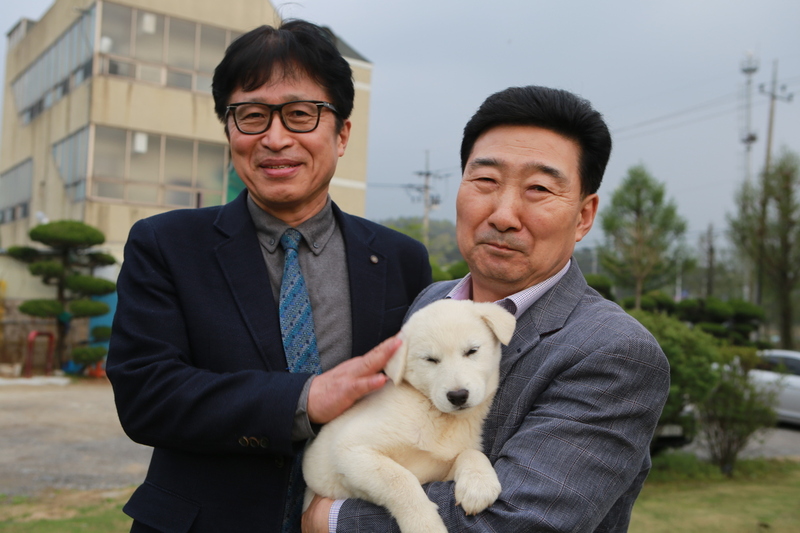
pixel 586 216
pixel 396 367
pixel 501 322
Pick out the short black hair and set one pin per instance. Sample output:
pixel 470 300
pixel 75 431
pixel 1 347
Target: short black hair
pixel 296 46
pixel 554 109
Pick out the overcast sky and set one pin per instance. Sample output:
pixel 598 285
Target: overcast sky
pixel 666 75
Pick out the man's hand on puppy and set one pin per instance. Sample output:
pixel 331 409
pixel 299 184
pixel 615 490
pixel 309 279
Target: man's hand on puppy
pixel 334 391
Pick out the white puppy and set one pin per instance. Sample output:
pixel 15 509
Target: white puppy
pixel 426 425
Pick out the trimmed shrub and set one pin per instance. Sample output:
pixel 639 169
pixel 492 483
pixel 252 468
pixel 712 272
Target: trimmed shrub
pixel 26 254
pixel 101 333
pixel 88 355
pixel 41 308
pixel 84 308
pixel 89 285
pixel 67 234
pixel 47 269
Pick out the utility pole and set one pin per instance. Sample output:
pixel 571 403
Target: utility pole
pixel 429 200
pixel 749 67
pixel 710 261
pixel 773 97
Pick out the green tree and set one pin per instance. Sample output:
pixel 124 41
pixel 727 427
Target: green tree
pixel 766 229
pixel 643 233
pixel 442 245
pixel 67 264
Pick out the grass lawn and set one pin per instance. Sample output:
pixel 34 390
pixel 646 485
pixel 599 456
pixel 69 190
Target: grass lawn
pixel 67 511
pixel 763 496
pixel 682 495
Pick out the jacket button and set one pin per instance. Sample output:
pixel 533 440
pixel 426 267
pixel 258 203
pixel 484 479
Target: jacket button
pixel 279 462
pixel 264 442
pixel 243 441
pixel 253 442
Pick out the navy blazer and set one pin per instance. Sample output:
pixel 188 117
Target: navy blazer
pixel 582 386
pixel 197 363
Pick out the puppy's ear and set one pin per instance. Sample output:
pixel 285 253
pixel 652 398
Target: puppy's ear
pixel 396 366
pixel 500 321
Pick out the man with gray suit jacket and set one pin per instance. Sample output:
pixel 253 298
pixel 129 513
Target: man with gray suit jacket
pixel 582 383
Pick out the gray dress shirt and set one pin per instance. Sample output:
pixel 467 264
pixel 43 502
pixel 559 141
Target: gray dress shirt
pixel 323 261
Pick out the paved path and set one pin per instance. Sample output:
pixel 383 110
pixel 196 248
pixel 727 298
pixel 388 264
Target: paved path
pixel 69 437
pixel 64 437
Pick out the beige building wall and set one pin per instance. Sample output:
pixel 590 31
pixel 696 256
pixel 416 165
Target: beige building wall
pixel 349 185
pixel 112 101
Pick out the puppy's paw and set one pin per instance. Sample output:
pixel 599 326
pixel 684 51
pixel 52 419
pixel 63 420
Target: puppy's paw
pixel 476 490
pixel 422 518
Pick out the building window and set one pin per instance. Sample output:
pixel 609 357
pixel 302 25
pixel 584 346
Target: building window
pixel 161 49
pixel 70 156
pixel 146 168
pixel 16 186
pixel 62 67
pixel 116 30
pixel 149 37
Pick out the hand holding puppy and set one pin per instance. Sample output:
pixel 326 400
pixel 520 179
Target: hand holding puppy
pixel 335 391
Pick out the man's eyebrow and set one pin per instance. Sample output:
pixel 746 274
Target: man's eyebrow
pixel 532 168
pixel 485 162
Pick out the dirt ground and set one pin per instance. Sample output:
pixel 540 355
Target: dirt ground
pixel 64 437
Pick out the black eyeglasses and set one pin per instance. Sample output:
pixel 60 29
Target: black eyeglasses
pixel 300 116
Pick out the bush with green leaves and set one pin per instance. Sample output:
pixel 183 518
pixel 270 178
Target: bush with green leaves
pixel 437 272
pixel 733 321
pixel 735 412
pixel 458 269
pixel 67 265
pixel 601 284
pixel 88 355
pixel 664 303
pixel 691 354
pixel 101 333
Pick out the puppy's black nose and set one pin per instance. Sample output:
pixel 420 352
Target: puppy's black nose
pixel 458 397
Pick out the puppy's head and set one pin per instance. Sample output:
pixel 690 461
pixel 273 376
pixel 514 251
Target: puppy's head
pixel 451 352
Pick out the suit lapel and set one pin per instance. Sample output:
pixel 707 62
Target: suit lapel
pixel 546 316
pixel 239 256
pixel 366 267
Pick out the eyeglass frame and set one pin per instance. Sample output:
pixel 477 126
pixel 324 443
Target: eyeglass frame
pixel 279 108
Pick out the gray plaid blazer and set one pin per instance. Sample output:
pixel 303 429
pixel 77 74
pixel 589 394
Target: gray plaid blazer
pixel 582 385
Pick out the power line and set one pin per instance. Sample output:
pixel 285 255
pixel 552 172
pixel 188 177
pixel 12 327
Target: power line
pixel 685 123
pixel 711 103
pixel 714 102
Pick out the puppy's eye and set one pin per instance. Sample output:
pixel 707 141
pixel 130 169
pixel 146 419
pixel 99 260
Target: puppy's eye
pixel 470 351
pixel 432 360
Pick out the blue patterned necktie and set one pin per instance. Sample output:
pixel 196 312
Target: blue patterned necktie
pixel 297 324
pixel 300 345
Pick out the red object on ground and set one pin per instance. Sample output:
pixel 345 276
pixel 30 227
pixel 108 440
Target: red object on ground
pixel 48 368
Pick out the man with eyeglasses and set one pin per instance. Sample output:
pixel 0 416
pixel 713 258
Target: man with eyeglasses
pixel 240 328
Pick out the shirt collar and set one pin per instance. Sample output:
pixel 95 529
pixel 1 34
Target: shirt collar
pixel 316 231
pixel 516 303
